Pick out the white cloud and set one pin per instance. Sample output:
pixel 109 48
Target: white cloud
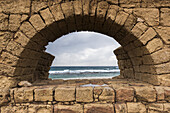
pixel 84 49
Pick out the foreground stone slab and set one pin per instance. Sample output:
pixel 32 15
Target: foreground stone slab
pixel 44 94
pixel 65 94
pixel 147 94
pixel 136 108
pixel 120 108
pixel 24 94
pixel 98 108
pixel 77 108
pixel 108 95
pixel 40 109
pixel 84 94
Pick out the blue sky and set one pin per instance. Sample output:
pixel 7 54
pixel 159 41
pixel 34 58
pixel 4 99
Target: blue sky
pixel 83 49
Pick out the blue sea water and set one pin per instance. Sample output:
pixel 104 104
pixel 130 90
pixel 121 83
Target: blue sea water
pixel 83 72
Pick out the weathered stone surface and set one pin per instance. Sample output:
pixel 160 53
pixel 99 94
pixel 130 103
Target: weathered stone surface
pixel 155 107
pixel 15 6
pixel 33 108
pixel 14 22
pixel 65 94
pixel 147 94
pixel 167 94
pixel 166 107
pixel 77 108
pixel 37 22
pixel 98 108
pixel 160 93
pixel 47 16
pixel 84 94
pixel 164 32
pixel 121 108
pixel 124 94
pixel 155 3
pixel 108 95
pixel 38 5
pixel 129 3
pixel 165 16
pixel 148 35
pixel 151 15
pixel 23 94
pixel 164 79
pixel 136 107
pixel 44 94
pixel 14 109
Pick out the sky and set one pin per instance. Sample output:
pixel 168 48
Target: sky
pixel 83 49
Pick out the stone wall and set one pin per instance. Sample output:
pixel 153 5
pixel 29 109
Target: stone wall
pixel 81 99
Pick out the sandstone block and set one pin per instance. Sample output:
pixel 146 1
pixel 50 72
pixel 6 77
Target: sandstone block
pixel 150 15
pixel 5 37
pixel 23 94
pixel 156 107
pixel 162 68
pixel 166 107
pixel 147 94
pixel 65 94
pixel 14 22
pixel 37 22
pixel 84 94
pixel 154 3
pixel 33 108
pixel 108 95
pixel 124 94
pixel 136 108
pixel 14 109
pixel 129 3
pixel 47 16
pixel 167 94
pixel 3 22
pixel 160 93
pixel 164 32
pixel 164 79
pixel 153 45
pixel 38 5
pixel 98 108
pixel 112 1
pixel 148 35
pixel 165 16
pixel 76 108
pixel 44 94
pixel 120 108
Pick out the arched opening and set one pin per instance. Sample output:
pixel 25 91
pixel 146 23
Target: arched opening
pixel 139 56
pixel 83 55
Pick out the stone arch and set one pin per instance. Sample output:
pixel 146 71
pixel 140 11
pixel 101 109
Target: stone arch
pixel 142 56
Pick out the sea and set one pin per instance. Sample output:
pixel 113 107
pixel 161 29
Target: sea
pixel 83 72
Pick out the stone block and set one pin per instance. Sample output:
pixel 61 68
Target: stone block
pixel 76 108
pixel 3 21
pixel 113 1
pixel 129 3
pixel 121 108
pixel 124 94
pixel 37 22
pixel 136 107
pixel 155 3
pixel 165 16
pixel 5 37
pixel 162 68
pixel 24 94
pixel 160 93
pixel 150 15
pixel 153 45
pixel 164 79
pixel 38 5
pixel 33 108
pixel 156 107
pixel 16 6
pixel 166 107
pixel 146 94
pixel 164 32
pixel 167 94
pixel 108 95
pixel 65 94
pixel 14 22
pixel 47 16
pixel 44 94
pixel 14 109
pixel 84 94
pixel 98 108
pixel 148 35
